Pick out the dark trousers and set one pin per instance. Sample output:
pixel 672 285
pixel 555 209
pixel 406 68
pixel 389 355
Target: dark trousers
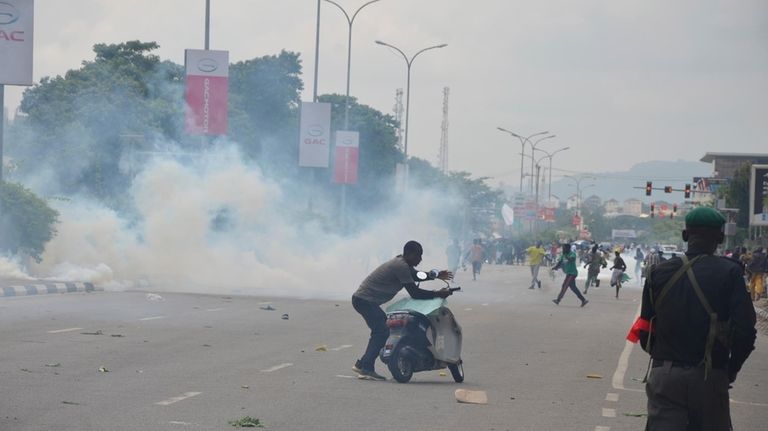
pixel 376 320
pixel 570 281
pixel 679 399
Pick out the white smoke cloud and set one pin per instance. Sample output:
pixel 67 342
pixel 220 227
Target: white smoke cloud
pixel 217 225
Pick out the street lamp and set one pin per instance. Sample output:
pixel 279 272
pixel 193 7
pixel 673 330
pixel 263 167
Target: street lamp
pixel 350 21
pixel 578 181
pixel 549 156
pixel 408 63
pixel 533 151
pixel 522 153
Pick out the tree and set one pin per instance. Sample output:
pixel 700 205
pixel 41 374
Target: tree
pixel 736 193
pixel 27 223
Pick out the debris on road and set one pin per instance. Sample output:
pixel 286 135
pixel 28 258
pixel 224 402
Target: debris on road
pixel 443 374
pixel 636 415
pixel 321 348
pixel 268 307
pixel 97 332
pixel 103 369
pixel 247 422
pixel 284 316
pixel 206 345
pixel 471 397
pixel 154 297
pixel 26 370
pixel 70 403
pixel 594 376
pixel 244 387
pixel 117 335
pixel 53 365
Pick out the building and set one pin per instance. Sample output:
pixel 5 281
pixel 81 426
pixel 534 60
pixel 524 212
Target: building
pixel 611 206
pixel 725 165
pixel 633 207
pixel 593 201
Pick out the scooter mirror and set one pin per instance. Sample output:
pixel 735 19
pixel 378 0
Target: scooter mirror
pixel 421 275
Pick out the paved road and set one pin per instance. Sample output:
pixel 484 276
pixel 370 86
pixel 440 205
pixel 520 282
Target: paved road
pixel 195 362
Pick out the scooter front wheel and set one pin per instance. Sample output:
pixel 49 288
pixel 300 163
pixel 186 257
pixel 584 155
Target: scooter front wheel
pixel 401 367
pixel 457 371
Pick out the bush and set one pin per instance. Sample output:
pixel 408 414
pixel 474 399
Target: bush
pixel 27 223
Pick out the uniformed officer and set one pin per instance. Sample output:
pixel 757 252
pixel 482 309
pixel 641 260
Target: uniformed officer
pixel 698 325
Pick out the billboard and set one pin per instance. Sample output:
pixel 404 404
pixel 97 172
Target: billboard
pixel 16 30
pixel 346 157
pixel 315 135
pixel 207 91
pixel 758 196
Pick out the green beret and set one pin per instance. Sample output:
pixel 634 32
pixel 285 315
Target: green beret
pixel 704 217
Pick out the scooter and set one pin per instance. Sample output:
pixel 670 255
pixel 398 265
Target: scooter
pixel 423 335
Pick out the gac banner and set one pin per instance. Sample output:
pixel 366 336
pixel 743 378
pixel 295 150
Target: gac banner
pixel 16 25
pixel 346 157
pixel 758 196
pixel 207 91
pixel 314 135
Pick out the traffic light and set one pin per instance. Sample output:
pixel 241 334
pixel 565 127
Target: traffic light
pixel 667 189
pixel 687 191
pixel 648 188
pixel 653 206
pixel 674 211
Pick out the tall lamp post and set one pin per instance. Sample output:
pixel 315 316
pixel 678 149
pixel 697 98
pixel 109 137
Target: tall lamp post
pixel 578 181
pixel 522 153
pixel 549 156
pixel 350 21
pixel 408 63
pixel 533 151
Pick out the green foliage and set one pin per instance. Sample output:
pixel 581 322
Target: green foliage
pixel 27 223
pixel 737 194
pixel 247 422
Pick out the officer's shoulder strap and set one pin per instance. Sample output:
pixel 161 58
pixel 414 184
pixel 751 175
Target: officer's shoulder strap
pixel 687 264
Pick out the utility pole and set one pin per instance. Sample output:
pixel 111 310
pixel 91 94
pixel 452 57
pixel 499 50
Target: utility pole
pixel 443 156
pixel 398 109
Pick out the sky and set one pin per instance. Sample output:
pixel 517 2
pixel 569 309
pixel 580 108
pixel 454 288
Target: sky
pixel 617 81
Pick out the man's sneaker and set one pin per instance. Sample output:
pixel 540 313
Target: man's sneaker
pixel 358 367
pixel 584 302
pixel 556 301
pixel 369 375
pixel 539 281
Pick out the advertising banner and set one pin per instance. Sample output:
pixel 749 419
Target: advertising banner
pixel 207 91
pixel 758 196
pixel 346 157
pixel 16 29
pixel 315 135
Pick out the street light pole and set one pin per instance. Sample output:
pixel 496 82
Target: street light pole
pixel 549 156
pixel 533 151
pixel 350 21
pixel 408 63
pixel 578 181
pixel 522 152
pixel 207 24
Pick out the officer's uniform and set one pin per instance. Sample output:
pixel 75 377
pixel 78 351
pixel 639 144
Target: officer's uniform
pixel 688 383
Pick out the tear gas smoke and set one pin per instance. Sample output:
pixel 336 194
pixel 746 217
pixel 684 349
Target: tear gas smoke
pixel 217 225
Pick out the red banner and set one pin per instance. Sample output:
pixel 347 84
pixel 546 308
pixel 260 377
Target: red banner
pixel 207 91
pixel 346 157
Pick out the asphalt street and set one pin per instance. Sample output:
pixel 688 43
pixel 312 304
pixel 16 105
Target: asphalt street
pixel 121 361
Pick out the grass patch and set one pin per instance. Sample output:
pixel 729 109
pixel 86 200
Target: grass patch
pixel 247 422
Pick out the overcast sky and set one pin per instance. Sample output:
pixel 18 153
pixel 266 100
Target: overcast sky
pixel 618 81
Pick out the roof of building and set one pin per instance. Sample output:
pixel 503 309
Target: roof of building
pixel 710 157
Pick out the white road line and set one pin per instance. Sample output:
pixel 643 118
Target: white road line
pixel 602 428
pixel 215 309
pixel 467 309
pixel 277 367
pixel 748 403
pixel 342 347
pixel 180 423
pixel 153 318
pixel 609 413
pixel 612 397
pixel 621 367
pixel 59 331
pixel 174 400
pixel 346 377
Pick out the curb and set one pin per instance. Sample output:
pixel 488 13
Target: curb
pixel 46 288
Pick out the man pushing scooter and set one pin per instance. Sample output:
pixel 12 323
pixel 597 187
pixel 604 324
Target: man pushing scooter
pixel 381 286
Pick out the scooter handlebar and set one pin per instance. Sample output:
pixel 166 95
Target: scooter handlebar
pixel 454 289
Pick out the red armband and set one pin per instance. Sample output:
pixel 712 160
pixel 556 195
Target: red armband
pixel 641 325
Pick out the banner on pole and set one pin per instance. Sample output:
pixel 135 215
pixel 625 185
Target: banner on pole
pixel 346 157
pixel 758 196
pixel 207 91
pixel 16 31
pixel 508 214
pixel 315 135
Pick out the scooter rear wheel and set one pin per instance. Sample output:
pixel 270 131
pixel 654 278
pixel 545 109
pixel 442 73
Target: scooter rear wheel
pixel 457 371
pixel 400 367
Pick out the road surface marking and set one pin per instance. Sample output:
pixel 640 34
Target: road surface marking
pixel 611 397
pixel 180 423
pixel 215 309
pixel 346 377
pixel 621 367
pixel 342 347
pixel 153 318
pixel 609 413
pixel 59 331
pixel 277 367
pixel 748 403
pixel 174 400
pixel 484 305
pixel 467 309
pixel 602 428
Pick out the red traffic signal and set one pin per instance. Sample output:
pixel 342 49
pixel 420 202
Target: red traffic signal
pixel 667 189
pixel 687 191
pixel 648 188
